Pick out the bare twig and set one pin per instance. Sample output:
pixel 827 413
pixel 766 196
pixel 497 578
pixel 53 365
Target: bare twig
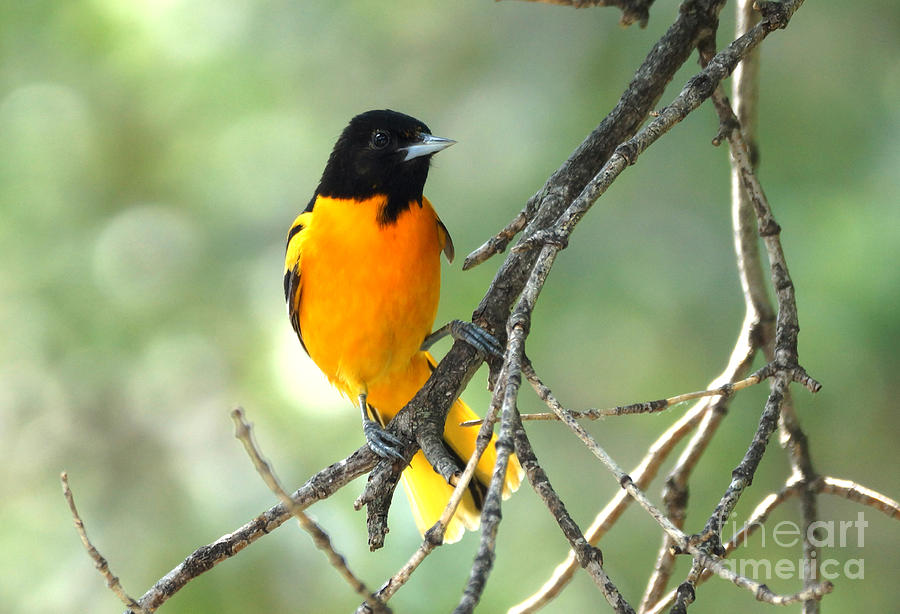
pixel 243 431
pixel 491 515
pixel 499 241
pixel 859 493
pixel 675 491
pixel 556 239
pixel 697 90
pixel 643 474
pixel 746 187
pixel 753 523
pixel 742 475
pixel 320 486
pixel 690 98
pixel 741 358
pixel 112 581
pixel 682 541
pixel 785 361
pixel 746 191
pixel 622 478
pixel 760 591
pixel 662 62
pixel 824 485
pixel 759 315
pixel 434 537
pixel 589 557
pixel 787 326
pixel 511 377
pixel 514 365
pixel 646 407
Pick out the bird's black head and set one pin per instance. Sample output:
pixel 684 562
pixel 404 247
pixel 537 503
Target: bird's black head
pixel 381 152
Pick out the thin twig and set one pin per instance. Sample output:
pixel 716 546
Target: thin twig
pixel 643 474
pixel 754 522
pixel 744 193
pixel 675 492
pixel 759 315
pixel 682 541
pixel 675 534
pixel 787 326
pixel 747 187
pixel 112 581
pixel 243 432
pixel 691 96
pixel 622 478
pixel 499 241
pixel 825 485
pixel 491 515
pixel 695 92
pixel 511 378
pixel 859 493
pixel 785 360
pixel 785 356
pixel 760 591
pixel 434 537
pixel 320 486
pixel 589 557
pixel 646 407
pixel 742 475
pixel 514 365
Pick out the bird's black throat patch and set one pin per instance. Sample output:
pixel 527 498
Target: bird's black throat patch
pixel 358 169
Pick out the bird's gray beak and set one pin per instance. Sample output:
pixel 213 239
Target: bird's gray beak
pixel 426 145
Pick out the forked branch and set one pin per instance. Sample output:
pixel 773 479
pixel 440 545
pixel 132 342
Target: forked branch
pixel 546 223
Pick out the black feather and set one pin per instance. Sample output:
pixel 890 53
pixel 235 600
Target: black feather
pixel 357 169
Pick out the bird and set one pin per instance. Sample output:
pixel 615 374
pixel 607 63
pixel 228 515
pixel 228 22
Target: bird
pixel 362 282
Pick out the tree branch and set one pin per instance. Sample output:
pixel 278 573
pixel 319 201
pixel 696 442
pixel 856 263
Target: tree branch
pixel 102 565
pixel 741 358
pixel 748 190
pixel 670 52
pixel 320 486
pixel 511 377
pixel 642 475
pixel 434 537
pixel 682 541
pixel 243 431
pixel 825 485
pixel 589 557
pixel 857 492
pixel 546 223
pixel 430 405
pixel 644 407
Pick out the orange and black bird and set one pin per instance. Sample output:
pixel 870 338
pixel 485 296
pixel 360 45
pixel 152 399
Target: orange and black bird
pixel 362 281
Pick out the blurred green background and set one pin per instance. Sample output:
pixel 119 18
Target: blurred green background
pixel 153 154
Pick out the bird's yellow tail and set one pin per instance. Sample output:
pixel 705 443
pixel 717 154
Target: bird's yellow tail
pixel 426 490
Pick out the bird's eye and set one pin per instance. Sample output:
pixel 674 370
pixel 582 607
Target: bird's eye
pixel 380 139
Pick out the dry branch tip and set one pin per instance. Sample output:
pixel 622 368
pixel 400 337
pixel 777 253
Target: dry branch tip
pixel 100 562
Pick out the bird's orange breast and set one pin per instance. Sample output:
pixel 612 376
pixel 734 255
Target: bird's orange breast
pixel 370 290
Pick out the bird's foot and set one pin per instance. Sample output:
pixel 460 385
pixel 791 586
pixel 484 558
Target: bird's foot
pixel 469 332
pixel 382 443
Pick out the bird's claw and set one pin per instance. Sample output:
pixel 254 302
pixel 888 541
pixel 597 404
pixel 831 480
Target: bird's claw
pixel 477 337
pixel 384 444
